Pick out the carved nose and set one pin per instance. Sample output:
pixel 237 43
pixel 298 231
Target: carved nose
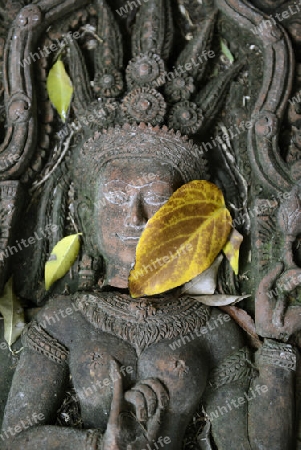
pixel 135 217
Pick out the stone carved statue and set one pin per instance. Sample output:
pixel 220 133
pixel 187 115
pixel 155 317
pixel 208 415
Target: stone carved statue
pixel 142 368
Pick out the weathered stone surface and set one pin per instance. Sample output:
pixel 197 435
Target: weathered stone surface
pixel 145 76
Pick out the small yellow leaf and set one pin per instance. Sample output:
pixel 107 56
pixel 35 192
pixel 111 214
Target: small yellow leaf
pixel 60 89
pixel 231 249
pixel 13 314
pixel 181 240
pixel 61 259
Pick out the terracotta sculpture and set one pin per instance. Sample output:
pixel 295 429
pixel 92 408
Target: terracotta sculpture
pixel 141 369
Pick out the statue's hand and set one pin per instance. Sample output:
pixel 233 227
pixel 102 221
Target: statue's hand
pixel 148 399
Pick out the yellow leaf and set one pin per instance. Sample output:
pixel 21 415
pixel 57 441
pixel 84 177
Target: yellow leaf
pixel 181 240
pixel 60 89
pixel 61 259
pixel 13 314
pixel 231 249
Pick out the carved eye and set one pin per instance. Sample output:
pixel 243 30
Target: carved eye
pixel 117 197
pixel 155 199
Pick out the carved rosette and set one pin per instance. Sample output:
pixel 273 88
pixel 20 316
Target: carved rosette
pixel 108 83
pixel 145 70
pixel 186 117
pixel 144 105
pixel 179 89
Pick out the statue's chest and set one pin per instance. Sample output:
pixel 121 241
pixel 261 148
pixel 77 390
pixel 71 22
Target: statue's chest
pixel 138 335
pixel 141 337
pixel 91 355
pixel 94 381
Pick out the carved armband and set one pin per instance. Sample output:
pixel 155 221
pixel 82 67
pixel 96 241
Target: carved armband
pixel 36 338
pixel 237 367
pixel 277 354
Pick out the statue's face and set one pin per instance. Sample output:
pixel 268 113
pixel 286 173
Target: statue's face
pixel 129 192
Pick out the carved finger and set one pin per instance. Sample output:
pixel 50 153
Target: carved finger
pixel 149 396
pixel 117 400
pixel 154 422
pixel 268 281
pixel 279 312
pixel 160 391
pixel 137 399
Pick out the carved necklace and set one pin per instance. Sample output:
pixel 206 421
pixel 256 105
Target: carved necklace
pixel 143 322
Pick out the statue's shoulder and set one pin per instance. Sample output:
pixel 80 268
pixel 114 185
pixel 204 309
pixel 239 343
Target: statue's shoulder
pixel 60 318
pixel 58 327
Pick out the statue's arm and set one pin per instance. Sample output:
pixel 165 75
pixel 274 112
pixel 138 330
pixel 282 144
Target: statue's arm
pixel 225 399
pixel 36 393
pixel 254 396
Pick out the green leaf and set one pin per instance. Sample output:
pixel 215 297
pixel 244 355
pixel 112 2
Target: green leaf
pixel 60 89
pixel 225 50
pixel 61 259
pixel 13 314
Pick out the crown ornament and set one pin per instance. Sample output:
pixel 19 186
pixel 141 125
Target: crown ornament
pixel 146 109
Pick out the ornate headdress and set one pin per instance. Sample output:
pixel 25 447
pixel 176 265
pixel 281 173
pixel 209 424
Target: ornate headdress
pixel 149 96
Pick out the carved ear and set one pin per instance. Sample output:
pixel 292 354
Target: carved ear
pixel 84 212
pixel 82 209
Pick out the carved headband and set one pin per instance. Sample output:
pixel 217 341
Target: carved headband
pixel 140 141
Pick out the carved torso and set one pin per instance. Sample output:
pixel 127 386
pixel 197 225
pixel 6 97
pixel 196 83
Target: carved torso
pixel 94 328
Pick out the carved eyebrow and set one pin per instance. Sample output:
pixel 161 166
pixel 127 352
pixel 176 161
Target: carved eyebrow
pixel 150 183
pixel 115 184
pixel 119 184
pixel 159 182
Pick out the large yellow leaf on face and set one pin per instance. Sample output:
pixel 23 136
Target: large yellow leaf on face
pixel 181 240
pixel 60 89
pixel 61 259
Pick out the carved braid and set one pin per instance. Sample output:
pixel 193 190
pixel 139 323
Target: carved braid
pixel 237 367
pixel 94 440
pixel 277 354
pixel 35 338
pixel 142 323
